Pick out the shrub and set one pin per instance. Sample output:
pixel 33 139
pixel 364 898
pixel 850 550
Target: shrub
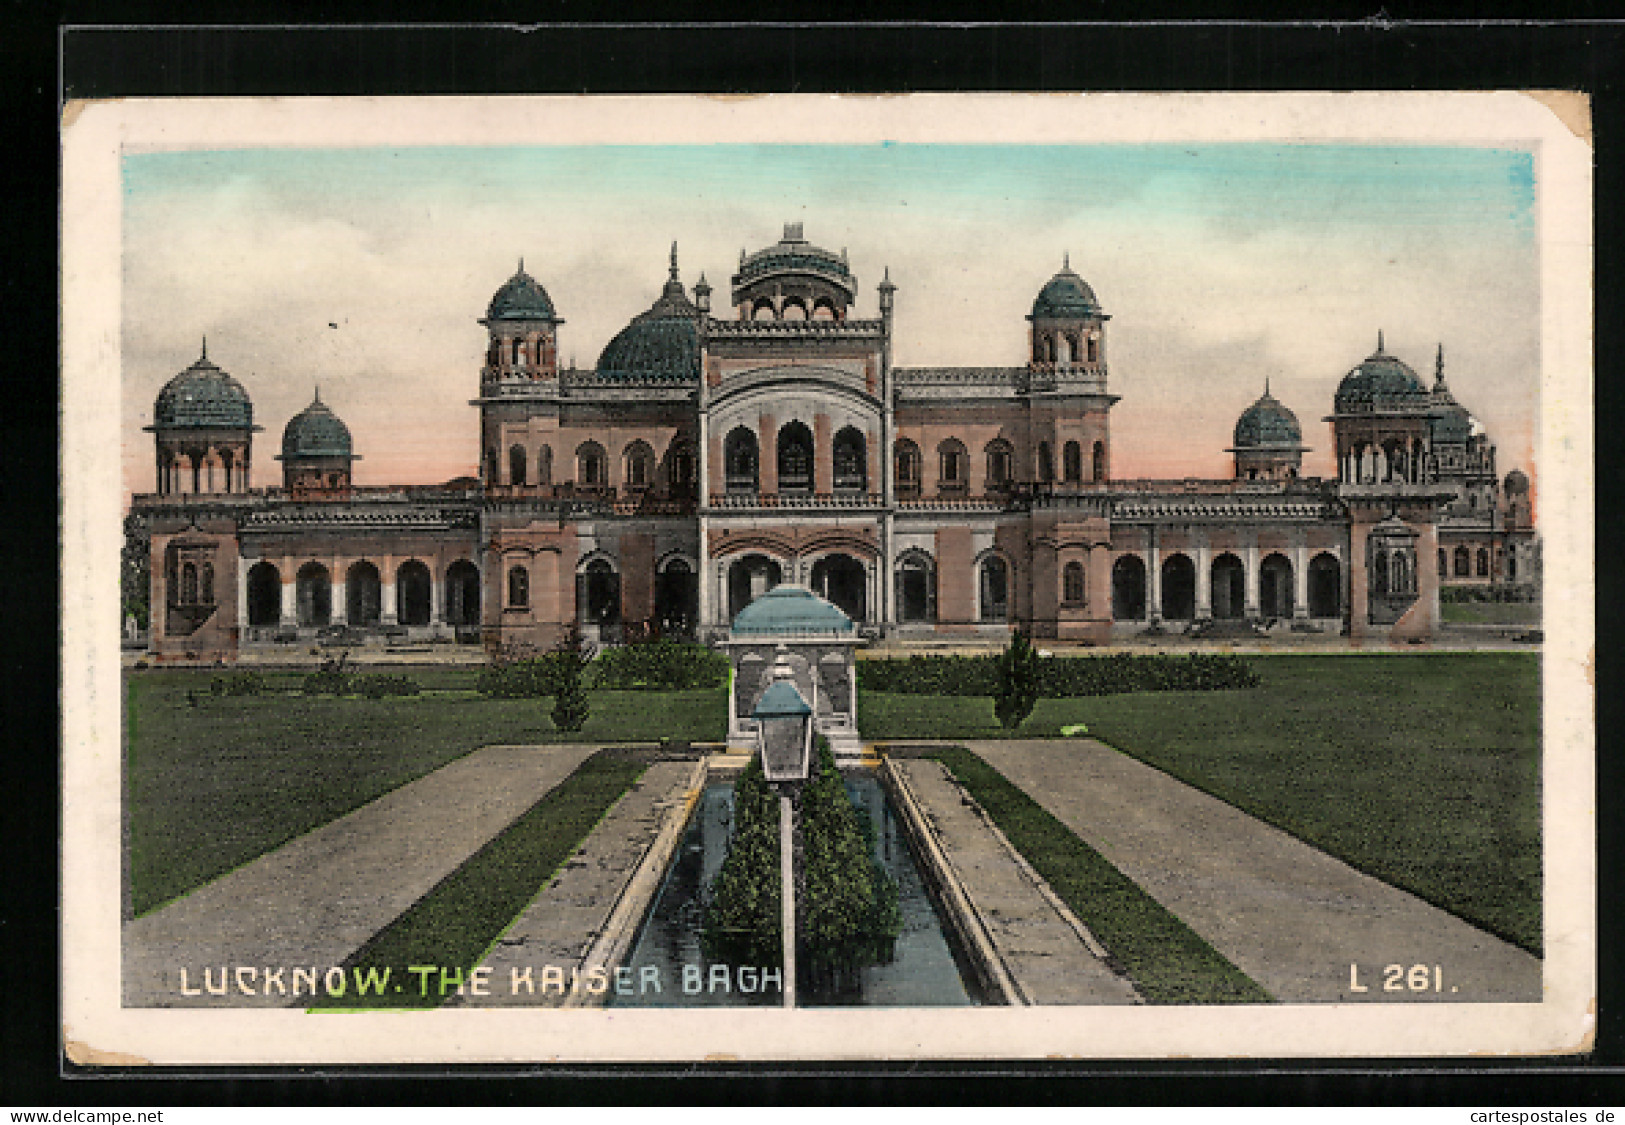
pixel 332 678
pixel 740 922
pixel 1019 674
pixel 570 700
pixel 528 678
pixel 1456 595
pixel 661 665
pixel 1060 677
pixel 379 686
pixel 245 682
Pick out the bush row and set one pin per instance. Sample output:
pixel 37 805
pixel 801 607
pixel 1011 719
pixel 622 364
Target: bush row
pixel 1457 594
pixel 659 665
pixel 372 685
pixel 1060 677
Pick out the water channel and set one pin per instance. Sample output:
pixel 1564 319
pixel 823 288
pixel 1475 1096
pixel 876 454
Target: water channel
pixel 925 971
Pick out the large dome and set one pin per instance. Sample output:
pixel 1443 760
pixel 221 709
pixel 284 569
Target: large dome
pixel 1066 296
pixel 521 298
pixel 315 432
pixel 1381 381
pixel 662 344
pixel 1268 424
pixel 203 397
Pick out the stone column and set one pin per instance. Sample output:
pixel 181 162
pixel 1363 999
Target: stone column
pixel 1250 561
pixel 387 609
pixel 1300 582
pixel 242 597
pixel 339 592
pixel 290 594
pixel 437 592
pixel 1153 581
pixel 1204 582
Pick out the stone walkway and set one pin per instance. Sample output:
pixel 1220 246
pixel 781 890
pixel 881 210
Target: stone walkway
pixel 1045 954
pixel 318 898
pixel 1288 915
pixel 588 915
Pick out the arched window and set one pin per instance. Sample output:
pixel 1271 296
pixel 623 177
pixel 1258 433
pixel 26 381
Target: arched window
pixel 908 466
pixel 681 469
pixel 518 588
pixel 1093 346
pixel 640 465
pixel 795 458
pixel 999 456
pixel 1100 461
pixel 1483 563
pixel 851 461
pixel 1072 462
pixel 412 593
pixel 995 589
pixel 518 352
pixel 205 592
pixel 264 595
pixel 1046 463
pixel 1072 585
pixel 1063 348
pixel 516 465
pixel 763 310
pixel 951 465
pixel 1463 562
pixel 794 310
pixel 188 583
pixel 739 460
pixel 591 470
pixel 824 309
pixel 916 587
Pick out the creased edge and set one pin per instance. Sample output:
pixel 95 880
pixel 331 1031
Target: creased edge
pixel 1571 107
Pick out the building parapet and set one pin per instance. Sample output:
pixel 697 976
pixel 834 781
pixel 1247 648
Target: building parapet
pixel 739 501
pixel 778 330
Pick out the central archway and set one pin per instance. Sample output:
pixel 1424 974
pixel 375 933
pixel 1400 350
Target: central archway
pixel 314 593
pixel 677 599
pixel 1229 588
pixel 1275 595
pixel 1178 588
pixel 842 579
pixel 363 595
pixel 412 593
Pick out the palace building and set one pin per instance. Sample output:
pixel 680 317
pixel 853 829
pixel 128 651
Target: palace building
pixel 713 454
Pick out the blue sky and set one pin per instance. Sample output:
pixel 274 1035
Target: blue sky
pixel 1221 264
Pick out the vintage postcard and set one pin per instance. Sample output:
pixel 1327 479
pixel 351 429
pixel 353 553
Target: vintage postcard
pixel 979 577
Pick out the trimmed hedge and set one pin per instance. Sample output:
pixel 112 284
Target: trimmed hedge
pixel 1455 595
pixel 661 665
pixel 530 678
pixel 380 685
pixel 1060 677
pixel 246 682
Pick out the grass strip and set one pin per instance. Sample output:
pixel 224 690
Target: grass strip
pixel 454 925
pixel 1169 962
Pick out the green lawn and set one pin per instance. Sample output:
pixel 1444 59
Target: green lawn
pixel 213 786
pixel 1167 960
pixel 463 915
pixel 1423 770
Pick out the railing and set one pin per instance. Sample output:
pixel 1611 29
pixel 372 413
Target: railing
pixel 795 500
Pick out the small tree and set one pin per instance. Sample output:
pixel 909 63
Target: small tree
pixel 570 703
pixel 1018 672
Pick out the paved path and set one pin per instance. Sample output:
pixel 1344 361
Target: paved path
pixel 1044 951
pixel 587 916
pixel 318 898
pixel 1289 916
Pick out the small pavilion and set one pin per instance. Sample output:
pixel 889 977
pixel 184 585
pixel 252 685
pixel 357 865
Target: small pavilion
pixel 818 641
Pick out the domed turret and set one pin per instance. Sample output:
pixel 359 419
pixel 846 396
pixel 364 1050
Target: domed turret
pixel 1066 296
pixel 1517 483
pixel 521 298
pixel 1068 323
pixel 523 327
pixel 662 344
pixel 793 280
pixel 1381 382
pixel 203 424
pixel 316 450
pixel 1268 442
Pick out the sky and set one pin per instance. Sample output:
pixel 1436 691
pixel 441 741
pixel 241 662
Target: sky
pixel 364 271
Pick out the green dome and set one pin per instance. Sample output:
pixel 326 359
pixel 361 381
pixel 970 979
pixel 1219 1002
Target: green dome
pixel 662 344
pixel 521 298
pixel 315 432
pixel 1517 483
pixel 202 397
pixel 1381 381
pixel 1453 424
pixel 1065 297
pixel 787 610
pixel 1267 423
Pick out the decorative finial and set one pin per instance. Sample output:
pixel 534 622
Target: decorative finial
pixel 674 261
pixel 1379 341
pixel 317 400
pixel 1066 259
pixel 1266 386
pixel 205 347
pixel 792 232
pixel 1438 366
pixel 521 263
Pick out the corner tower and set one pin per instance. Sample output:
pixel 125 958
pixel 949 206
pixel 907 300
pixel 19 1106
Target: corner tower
pixel 523 330
pixel 1066 383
